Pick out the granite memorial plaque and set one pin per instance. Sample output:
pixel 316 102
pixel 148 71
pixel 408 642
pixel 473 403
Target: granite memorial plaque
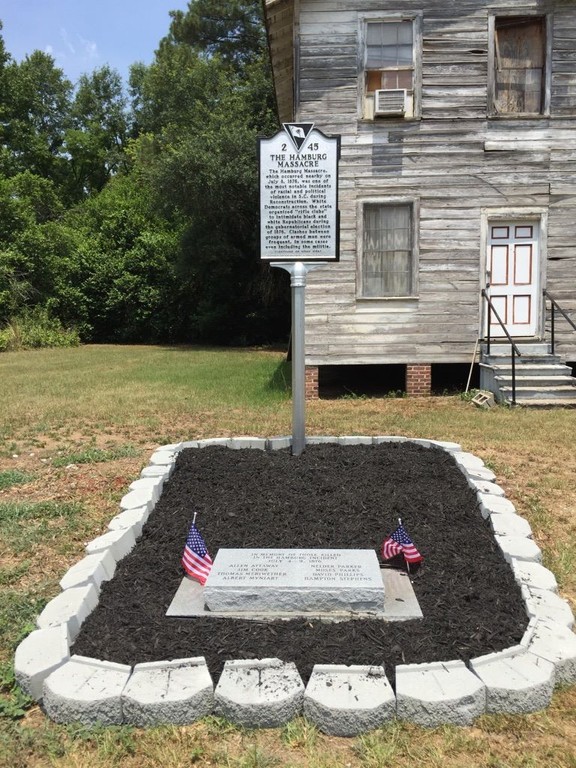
pixel 294 580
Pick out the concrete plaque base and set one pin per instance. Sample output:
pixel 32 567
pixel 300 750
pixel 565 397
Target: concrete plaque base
pixel 400 604
pixel 294 580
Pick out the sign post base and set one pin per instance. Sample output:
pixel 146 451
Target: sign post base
pixel 298 271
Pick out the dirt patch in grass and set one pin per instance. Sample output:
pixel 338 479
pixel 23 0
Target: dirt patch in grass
pixel 331 496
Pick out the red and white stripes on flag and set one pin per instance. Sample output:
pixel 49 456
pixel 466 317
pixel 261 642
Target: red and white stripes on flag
pixel 399 542
pixel 195 559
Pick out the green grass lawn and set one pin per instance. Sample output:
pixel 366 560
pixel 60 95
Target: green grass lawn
pixel 76 427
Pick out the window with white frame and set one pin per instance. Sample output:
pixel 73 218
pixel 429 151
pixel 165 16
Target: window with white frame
pixel 388 256
pixel 389 68
pixel 519 77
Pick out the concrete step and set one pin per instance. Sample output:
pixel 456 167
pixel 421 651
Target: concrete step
pixel 535 380
pixel 500 360
pixel 546 393
pixel 533 369
pixel 502 349
pixel 556 402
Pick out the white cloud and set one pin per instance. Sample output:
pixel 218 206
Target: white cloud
pixel 75 54
pixel 90 48
pixel 67 42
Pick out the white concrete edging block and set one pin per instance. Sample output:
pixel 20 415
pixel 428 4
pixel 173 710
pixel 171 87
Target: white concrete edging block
pixel 87 691
pixel 516 681
pixel 71 608
pixel 543 604
pixel 38 655
pixel 259 693
pixel 259 443
pixel 144 497
pixel 133 519
pixel 485 488
pixel 348 700
pixel 278 443
pixel 447 446
pixel 152 485
pixel 163 458
pixel 158 471
pixel 510 525
pixel 534 575
pixel 438 693
pixel 355 440
pixel 176 692
pixel 119 542
pixel 519 548
pixel 92 569
pixel 209 441
pixel 555 643
pixel 467 461
pixel 495 505
pixel 481 474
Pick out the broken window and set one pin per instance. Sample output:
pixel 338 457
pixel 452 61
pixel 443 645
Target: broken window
pixel 519 76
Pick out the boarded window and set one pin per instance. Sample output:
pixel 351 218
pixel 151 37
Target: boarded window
pixel 519 65
pixel 387 257
pixel 389 55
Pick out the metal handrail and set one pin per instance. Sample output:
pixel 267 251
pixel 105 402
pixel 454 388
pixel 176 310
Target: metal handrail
pixel 557 306
pixel 515 350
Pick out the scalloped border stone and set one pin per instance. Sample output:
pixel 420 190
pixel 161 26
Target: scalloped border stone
pixel 348 700
pixel 175 692
pixel 516 681
pixel 91 690
pixel 259 693
pixel 438 693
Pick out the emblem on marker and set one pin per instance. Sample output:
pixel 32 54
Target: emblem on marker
pixel 298 133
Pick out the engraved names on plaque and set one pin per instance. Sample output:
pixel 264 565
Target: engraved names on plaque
pixel 284 580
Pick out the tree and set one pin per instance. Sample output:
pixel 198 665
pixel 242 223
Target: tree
pixel 36 116
pixel 230 29
pixel 33 248
pixel 203 102
pixel 97 137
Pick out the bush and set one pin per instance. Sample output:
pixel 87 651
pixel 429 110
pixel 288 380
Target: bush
pixel 34 328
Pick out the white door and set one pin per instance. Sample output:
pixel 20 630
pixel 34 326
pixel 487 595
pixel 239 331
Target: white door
pixel 513 274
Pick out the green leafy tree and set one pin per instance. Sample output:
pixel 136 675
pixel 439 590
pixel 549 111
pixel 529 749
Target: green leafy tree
pixel 36 116
pixel 203 102
pixel 97 137
pixel 230 29
pixel 124 266
pixel 32 243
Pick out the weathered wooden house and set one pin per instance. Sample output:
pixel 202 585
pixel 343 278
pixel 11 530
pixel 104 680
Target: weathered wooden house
pixel 457 171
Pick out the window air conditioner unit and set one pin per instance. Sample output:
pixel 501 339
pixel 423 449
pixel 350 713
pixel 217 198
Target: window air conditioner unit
pixel 390 102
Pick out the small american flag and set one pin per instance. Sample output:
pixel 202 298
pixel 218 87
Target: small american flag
pixel 399 542
pixel 196 560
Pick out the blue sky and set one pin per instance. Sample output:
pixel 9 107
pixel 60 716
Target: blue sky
pixel 82 35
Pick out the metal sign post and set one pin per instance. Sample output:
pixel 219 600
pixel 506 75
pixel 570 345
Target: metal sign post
pixel 299 228
pixel 298 271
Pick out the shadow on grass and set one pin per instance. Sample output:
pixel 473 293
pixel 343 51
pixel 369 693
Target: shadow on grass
pixel 280 381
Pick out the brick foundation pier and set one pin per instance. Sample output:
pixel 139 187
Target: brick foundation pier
pixel 418 380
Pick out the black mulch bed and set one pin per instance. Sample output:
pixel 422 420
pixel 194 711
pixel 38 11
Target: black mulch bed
pixel 330 496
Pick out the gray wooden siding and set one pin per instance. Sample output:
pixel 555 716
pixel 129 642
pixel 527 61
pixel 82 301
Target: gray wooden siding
pixel 454 160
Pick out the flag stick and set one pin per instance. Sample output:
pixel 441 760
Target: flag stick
pixel 194 520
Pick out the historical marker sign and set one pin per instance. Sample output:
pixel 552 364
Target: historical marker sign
pixel 299 194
